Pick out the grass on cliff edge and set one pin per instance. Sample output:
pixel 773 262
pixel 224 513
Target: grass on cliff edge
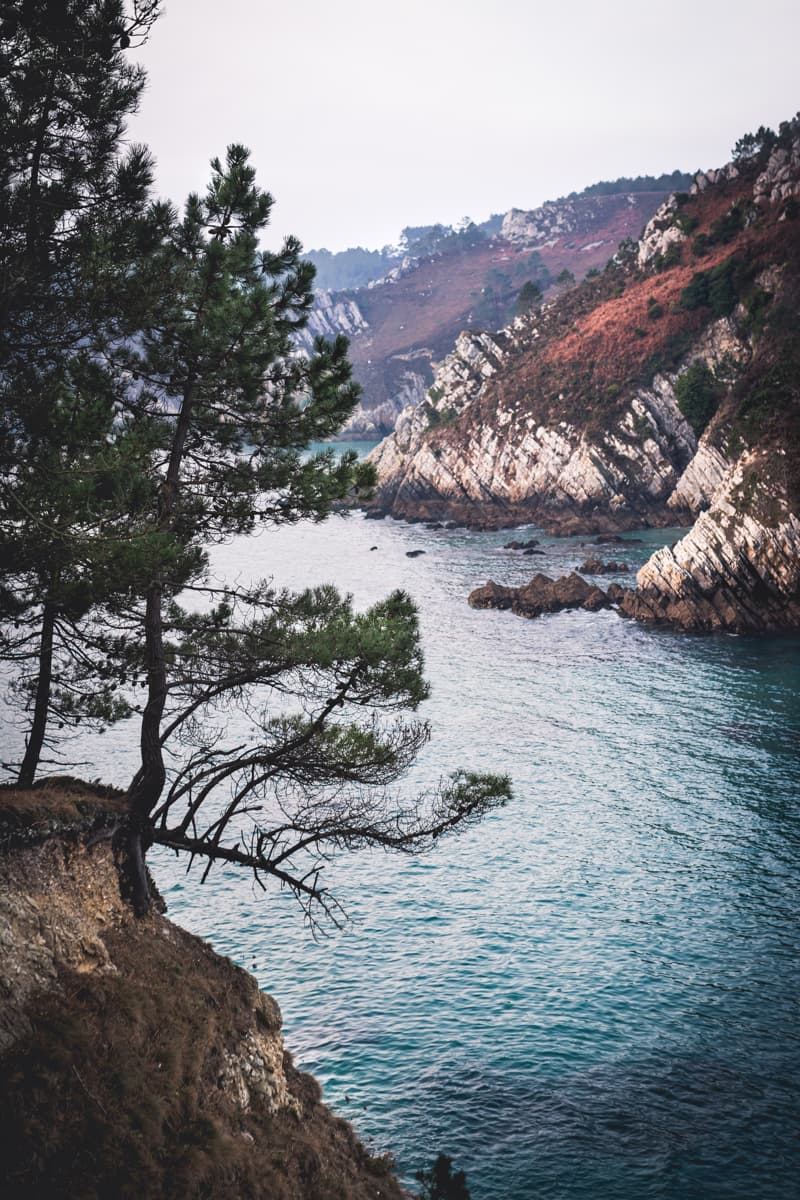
pixel 60 799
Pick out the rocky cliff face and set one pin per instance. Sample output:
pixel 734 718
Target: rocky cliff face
pixel 332 315
pixel 517 468
pixel 136 1061
pixel 661 389
pixel 738 569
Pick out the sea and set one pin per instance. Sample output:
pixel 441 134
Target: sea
pixel 593 994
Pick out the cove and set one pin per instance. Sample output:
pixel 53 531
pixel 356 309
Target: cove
pixel 594 993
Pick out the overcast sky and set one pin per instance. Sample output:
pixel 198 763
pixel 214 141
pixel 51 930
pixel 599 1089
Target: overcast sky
pixel 366 115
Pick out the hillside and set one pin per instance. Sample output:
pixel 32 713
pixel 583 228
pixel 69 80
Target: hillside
pixel 137 1062
pixel 401 326
pixel 662 389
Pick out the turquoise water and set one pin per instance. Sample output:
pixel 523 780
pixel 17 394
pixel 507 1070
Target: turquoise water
pixel 595 993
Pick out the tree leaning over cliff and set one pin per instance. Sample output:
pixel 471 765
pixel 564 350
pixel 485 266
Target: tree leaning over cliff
pixel 219 367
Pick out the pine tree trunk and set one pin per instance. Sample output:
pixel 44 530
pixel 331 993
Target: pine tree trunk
pixel 129 844
pixel 133 837
pixel 33 749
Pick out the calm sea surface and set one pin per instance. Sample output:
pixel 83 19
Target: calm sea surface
pixel 594 993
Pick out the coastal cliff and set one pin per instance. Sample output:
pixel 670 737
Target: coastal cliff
pixel 738 569
pixel 401 323
pixel 664 391
pixel 136 1061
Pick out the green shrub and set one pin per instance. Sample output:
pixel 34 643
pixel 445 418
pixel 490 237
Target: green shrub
pixel 696 393
pixel 715 289
pixel 654 310
pixel 757 303
pixel 685 223
pixel 728 225
pixel 700 245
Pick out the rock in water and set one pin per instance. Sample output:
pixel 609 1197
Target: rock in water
pixel 541 595
pixel 595 566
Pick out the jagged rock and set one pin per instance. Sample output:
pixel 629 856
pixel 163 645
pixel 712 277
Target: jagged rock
pixel 616 592
pixel 331 314
pixel 780 179
pixel 734 571
pixel 541 595
pixel 701 479
pixel 544 226
pixel 595 566
pixel 660 233
pixel 560 477
pixel 516 545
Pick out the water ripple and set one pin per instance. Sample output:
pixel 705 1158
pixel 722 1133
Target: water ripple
pixel 594 995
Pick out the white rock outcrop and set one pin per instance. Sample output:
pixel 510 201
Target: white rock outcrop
pixel 332 314
pixel 780 179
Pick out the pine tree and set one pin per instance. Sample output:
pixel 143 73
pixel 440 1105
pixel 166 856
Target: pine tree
pixel 152 404
pixel 72 209
pixel 218 364
pixel 528 297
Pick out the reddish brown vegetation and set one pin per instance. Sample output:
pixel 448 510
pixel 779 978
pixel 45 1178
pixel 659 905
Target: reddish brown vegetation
pixel 426 309
pixel 601 341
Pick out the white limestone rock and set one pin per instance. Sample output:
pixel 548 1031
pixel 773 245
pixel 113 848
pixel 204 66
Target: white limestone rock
pixel 660 233
pixel 780 179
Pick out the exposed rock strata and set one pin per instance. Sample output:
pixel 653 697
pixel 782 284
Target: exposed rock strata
pixel 331 315
pixel 780 179
pixel 566 479
pixel 733 571
pixel 543 226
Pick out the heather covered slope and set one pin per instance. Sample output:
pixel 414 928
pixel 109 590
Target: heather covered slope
pixel 399 326
pixel 641 398
pixel 137 1062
